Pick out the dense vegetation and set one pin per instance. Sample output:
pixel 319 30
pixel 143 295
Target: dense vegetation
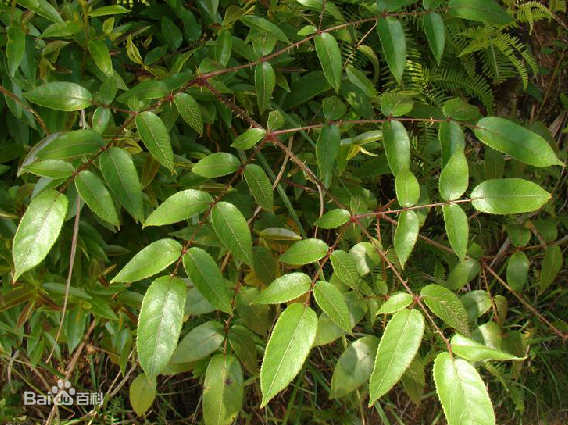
pixel 284 212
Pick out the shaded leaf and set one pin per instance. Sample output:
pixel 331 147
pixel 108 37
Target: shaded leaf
pixel 95 194
pixel 393 41
pixel 435 33
pixel 206 277
pixel 122 179
pixel 354 366
pixel 330 58
pixel 142 394
pixel 222 390
pixel 264 81
pixel 199 342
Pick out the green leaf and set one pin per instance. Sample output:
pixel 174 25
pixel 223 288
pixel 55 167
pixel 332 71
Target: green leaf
pixel 397 146
pixel 62 96
pixel 327 149
pixel 435 33
pixel 242 342
pixel 149 261
pixel 354 366
pixel 345 268
pixel 284 289
pixel 407 188
pixel 171 33
pixel 396 302
pixel 121 177
pixel 551 266
pixel 42 8
pixel 457 229
pixel 107 10
pixel 307 87
pixel 287 349
pixel 199 342
pixel 447 306
pixel 508 196
pixel 459 109
pixel 359 79
pixel 476 352
pixel 393 41
pixel 508 137
pixel 333 219
pixel 518 270
pixel 249 138
pixel 217 165
pixel 305 252
pixel 462 392
pixel 256 22
pixel 479 10
pixel 454 178
pixel 451 139
pixel 232 229
pixel 52 168
pixel 393 5
pixel 259 186
pixel 223 390
pixel 101 55
pixel 71 145
pixel 399 344
pixel 95 194
pixel 476 304
pixel 15 48
pixel 180 206
pixel 206 277
pixel 159 324
pixel 190 111
pixel 38 230
pixel 142 394
pixel 65 29
pixel 333 108
pixel 395 104
pixel 155 136
pixel 406 235
pixel 330 58
pixel 413 379
pixel 332 302
pixel 264 82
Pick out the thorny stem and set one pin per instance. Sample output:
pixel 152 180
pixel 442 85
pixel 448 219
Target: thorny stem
pixel 15 98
